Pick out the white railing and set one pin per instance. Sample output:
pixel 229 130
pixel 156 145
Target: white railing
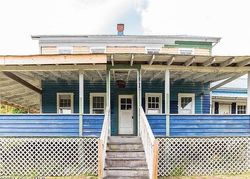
pixel 102 143
pixel 150 145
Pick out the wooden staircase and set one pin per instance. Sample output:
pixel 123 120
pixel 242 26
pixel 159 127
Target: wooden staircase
pixel 125 158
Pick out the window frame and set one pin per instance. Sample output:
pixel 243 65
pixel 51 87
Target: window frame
pixel 186 49
pixel 192 95
pixel 153 95
pixel 71 98
pixel 70 48
pixel 91 95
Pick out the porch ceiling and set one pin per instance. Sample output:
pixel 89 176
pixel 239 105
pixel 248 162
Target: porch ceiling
pixel 195 68
pixel 34 68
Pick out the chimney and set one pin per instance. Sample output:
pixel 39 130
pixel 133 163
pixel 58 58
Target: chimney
pixel 120 29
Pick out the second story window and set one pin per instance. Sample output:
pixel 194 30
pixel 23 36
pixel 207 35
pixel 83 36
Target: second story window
pixel 98 50
pixel 65 50
pixel 186 51
pixel 153 50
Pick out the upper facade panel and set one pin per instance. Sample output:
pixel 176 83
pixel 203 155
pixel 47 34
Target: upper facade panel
pixel 120 43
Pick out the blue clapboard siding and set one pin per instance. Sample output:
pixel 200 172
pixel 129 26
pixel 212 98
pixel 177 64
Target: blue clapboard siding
pixel 157 124
pixel 39 125
pixel 92 125
pixel 209 125
pixel 51 88
pixel 50 125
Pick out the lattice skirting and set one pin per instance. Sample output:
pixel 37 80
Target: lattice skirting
pixel 203 156
pixel 48 156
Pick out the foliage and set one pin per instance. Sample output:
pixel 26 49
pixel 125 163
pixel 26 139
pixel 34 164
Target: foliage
pixel 5 109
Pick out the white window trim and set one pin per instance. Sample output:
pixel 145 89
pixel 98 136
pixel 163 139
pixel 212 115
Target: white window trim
pixel 151 48
pixel 180 95
pixel 72 101
pixel 91 95
pixel 239 104
pixel 93 48
pixel 191 49
pixel 64 48
pixel 153 95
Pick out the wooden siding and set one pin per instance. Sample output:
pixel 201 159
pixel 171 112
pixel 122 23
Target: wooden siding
pixel 39 125
pixel 169 50
pixel 125 49
pixel 92 125
pixel 175 50
pixel 209 125
pixel 49 50
pixel 81 50
pixel 199 51
pixel 50 125
pixel 157 124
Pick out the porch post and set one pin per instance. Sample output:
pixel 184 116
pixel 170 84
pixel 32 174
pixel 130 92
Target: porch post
pixel 248 93
pixel 167 101
pixel 108 97
pixel 81 102
pixel 138 81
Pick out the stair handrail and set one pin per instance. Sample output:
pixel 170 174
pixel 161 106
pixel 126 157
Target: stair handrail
pixel 150 145
pixel 102 142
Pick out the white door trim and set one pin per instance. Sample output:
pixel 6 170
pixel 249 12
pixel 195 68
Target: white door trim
pixel 119 112
pixel 192 95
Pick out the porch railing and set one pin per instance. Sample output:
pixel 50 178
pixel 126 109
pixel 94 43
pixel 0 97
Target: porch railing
pixel 150 145
pixel 102 143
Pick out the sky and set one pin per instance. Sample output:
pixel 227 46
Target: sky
pixel 228 19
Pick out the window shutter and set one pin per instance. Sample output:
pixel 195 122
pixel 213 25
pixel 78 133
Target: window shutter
pixel 233 108
pixel 216 108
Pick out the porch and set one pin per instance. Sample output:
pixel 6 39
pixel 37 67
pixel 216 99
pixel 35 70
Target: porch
pixel 85 99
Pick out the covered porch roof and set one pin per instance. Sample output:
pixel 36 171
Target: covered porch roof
pixel 21 76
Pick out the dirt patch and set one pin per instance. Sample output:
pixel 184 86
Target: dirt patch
pixel 73 177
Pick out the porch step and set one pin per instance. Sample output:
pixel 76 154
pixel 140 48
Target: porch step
pixel 126 172
pixel 122 139
pixel 125 158
pixel 126 154
pixel 128 162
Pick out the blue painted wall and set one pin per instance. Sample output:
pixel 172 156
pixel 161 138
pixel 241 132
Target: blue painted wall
pixel 51 88
pixel 49 125
pixel 157 124
pixel 209 125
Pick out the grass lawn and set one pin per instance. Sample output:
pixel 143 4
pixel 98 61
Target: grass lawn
pixel 245 176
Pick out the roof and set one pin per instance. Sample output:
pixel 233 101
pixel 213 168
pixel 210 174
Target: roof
pixel 135 39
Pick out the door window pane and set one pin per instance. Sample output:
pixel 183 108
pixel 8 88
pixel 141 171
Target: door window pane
pixel 186 102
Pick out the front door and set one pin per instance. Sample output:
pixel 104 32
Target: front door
pixel 126 121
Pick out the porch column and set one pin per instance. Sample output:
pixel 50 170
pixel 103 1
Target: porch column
pixel 167 101
pixel 138 81
pixel 81 102
pixel 108 97
pixel 248 93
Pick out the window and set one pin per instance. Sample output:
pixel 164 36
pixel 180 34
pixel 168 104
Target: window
pixel 186 103
pixel 98 49
pixel 65 103
pixel 153 50
pixel 186 51
pixel 97 103
pixel 153 103
pixel 65 50
pixel 241 109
